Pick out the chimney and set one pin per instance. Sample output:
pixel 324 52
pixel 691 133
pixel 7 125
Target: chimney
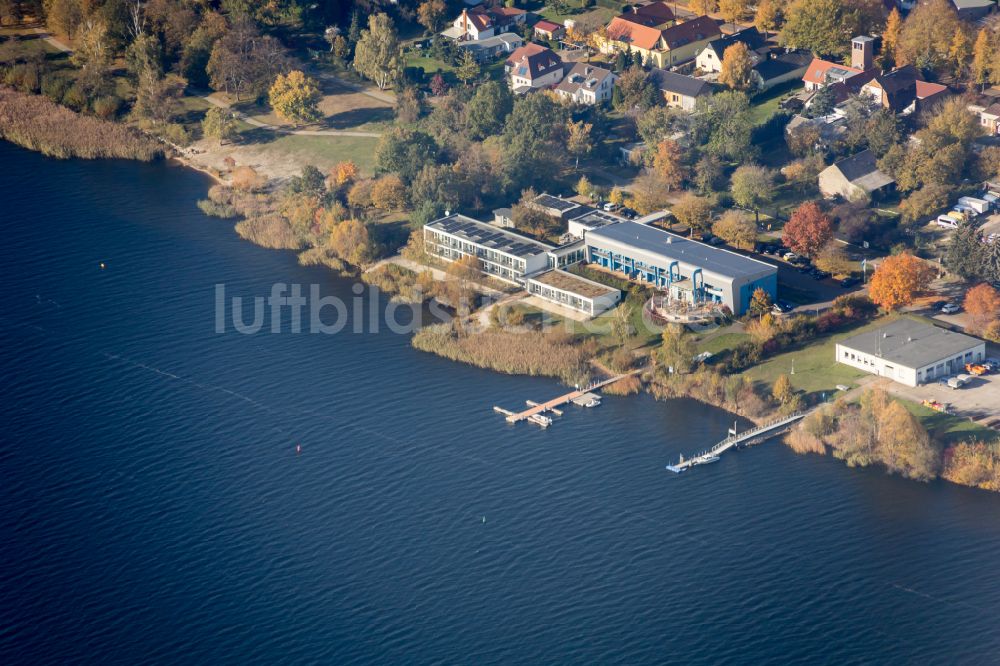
pixel 465 24
pixel 862 53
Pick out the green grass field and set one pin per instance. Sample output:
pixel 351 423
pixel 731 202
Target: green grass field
pixel 329 149
pixel 948 429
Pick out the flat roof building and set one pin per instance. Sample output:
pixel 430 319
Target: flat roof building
pixel 690 271
pixel 910 352
pixel 503 254
pixel 572 291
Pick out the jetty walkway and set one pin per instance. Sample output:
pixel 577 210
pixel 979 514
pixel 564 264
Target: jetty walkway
pixel 537 409
pixel 735 439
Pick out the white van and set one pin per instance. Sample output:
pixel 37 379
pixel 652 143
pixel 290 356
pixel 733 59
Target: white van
pixel 947 222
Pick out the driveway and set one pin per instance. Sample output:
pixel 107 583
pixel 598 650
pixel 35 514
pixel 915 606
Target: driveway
pixel 979 400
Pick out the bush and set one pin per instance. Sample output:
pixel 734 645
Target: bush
pixel 271 231
pixel 25 77
pixel 106 107
pixel 55 85
pixel 75 98
pixel 213 209
pixel 175 133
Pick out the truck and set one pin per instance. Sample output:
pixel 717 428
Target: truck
pixel 958 381
pixel 978 205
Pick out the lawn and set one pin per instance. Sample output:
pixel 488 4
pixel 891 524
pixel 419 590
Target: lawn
pixel 722 342
pixel 603 14
pixel 948 429
pixel 764 105
pixel 325 151
pixel 816 370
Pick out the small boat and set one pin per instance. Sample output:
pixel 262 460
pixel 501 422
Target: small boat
pixel 709 459
pixel 593 403
pixel 541 420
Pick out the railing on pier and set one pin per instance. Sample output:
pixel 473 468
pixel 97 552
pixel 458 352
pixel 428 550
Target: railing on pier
pixel 734 439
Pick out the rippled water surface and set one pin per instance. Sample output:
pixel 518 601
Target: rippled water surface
pixel 154 507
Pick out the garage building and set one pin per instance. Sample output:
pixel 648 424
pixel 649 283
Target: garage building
pixel 911 352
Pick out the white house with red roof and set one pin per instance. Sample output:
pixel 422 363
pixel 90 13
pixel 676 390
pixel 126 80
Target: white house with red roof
pixel 533 67
pixel 482 23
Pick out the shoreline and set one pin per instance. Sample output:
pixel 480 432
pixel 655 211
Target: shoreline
pixel 656 391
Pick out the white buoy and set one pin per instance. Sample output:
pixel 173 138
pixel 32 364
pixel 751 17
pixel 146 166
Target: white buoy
pixel 484 519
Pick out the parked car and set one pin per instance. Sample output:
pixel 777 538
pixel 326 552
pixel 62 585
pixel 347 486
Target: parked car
pixel 819 274
pixel 950 308
pixel 799 261
pixel 782 307
pixel 610 207
pixel 715 240
pixel 788 256
pixel 803 268
pixel 849 282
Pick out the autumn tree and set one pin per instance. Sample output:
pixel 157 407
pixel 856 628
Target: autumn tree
pixel 431 15
pixel 584 187
pixel 243 61
pixel 760 303
pixel 668 164
pixel 959 51
pixel 648 193
pixel 246 178
pixel 377 54
pixel 703 7
pixel 389 193
pixel 732 10
pixel 890 37
pixel 676 351
pixel 693 211
pixel 736 67
pixel 351 241
pixel 637 91
pixel 736 228
pixel 752 187
pixel 343 173
pixel 983 57
pixel 295 97
pixel 782 390
pixel 219 124
pixel 898 280
pixel 808 230
pixel 927 35
pixel 982 302
pixel 579 141
pixel 768 16
pixel 826 27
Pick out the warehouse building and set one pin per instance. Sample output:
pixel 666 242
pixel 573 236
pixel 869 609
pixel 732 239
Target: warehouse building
pixel 690 271
pixel 910 352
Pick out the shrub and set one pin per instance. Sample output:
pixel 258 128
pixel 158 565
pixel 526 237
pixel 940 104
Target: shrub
pixel 25 77
pixel 213 209
pixel 75 98
pixel 247 179
pixel 106 107
pixel 55 85
pixel 271 231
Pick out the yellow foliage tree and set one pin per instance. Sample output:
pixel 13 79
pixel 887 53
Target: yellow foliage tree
pixel 295 97
pixel 898 280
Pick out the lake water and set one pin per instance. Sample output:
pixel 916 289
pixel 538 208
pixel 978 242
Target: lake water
pixel 155 508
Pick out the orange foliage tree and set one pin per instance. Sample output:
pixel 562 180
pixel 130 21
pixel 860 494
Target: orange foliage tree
pixel 808 230
pixel 982 302
pixel 898 280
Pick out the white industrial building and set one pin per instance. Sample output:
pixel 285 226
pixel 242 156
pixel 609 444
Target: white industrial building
pixel 910 352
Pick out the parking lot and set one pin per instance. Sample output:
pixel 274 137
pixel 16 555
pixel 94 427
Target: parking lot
pixel 979 400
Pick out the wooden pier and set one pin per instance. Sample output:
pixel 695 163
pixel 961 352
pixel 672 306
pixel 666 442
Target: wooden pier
pixel 736 439
pixel 536 409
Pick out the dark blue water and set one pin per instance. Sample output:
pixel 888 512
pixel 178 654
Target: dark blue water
pixel 154 508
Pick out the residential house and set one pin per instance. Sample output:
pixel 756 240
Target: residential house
pixel 779 68
pixel 533 67
pixel 973 10
pixel 989 117
pixel 651 14
pixel 901 90
pixel 855 176
pixel 678 90
pixel 822 73
pixel 660 47
pixel 587 84
pixel 482 23
pixel 491 48
pixel 709 59
pixel 549 30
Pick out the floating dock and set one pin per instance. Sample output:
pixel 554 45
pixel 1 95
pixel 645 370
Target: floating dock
pixel 736 439
pixel 585 395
